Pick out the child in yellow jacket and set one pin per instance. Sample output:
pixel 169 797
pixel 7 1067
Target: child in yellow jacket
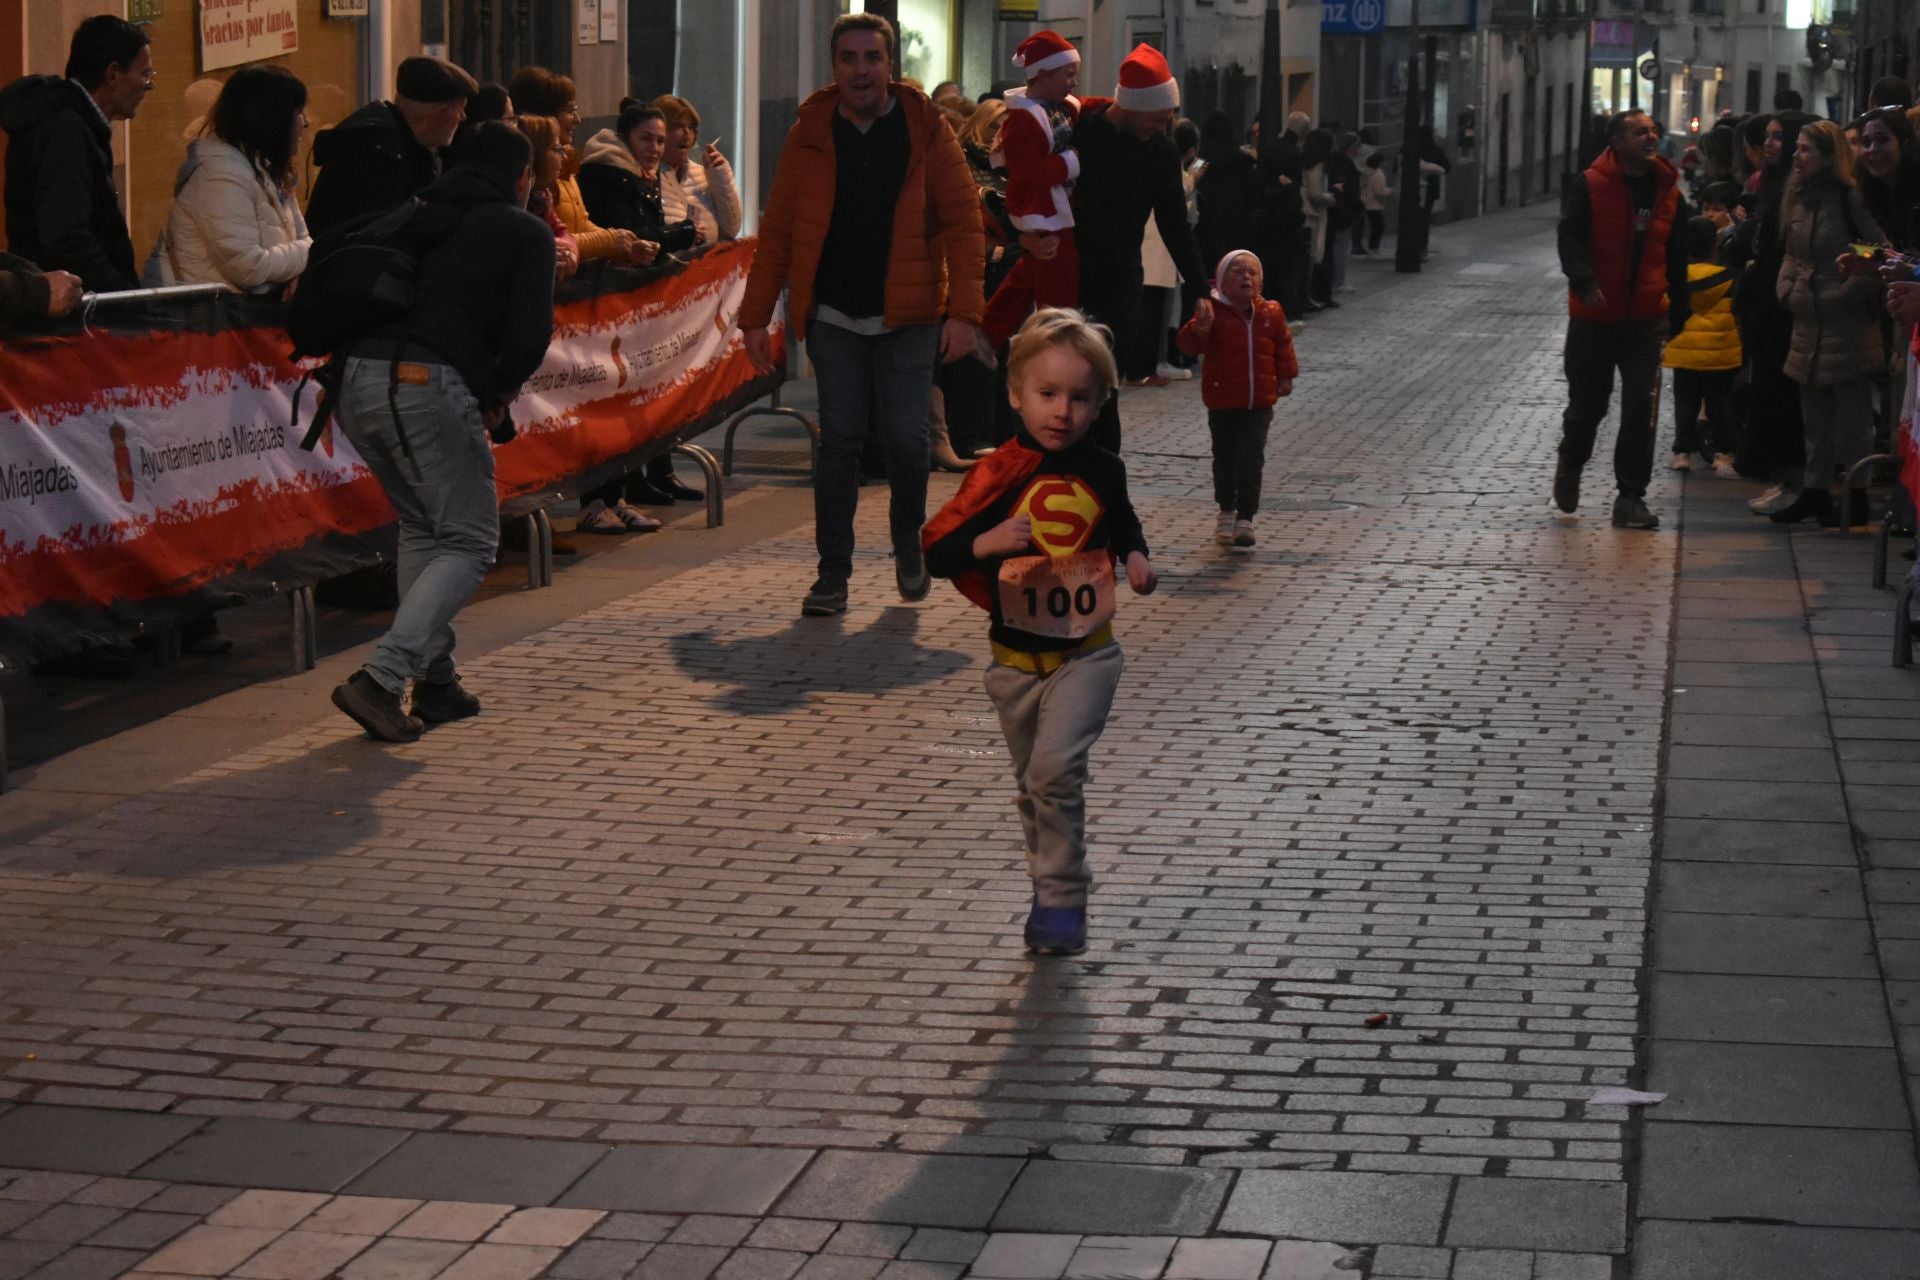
pixel 1705 358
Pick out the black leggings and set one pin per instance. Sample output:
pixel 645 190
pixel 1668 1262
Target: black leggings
pixel 1239 457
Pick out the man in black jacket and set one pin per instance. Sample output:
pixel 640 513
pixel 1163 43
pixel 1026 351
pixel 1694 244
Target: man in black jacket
pixel 63 211
pixel 387 152
pixel 420 397
pixel 1128 169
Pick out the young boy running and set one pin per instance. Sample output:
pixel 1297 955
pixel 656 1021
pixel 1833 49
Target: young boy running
pixel 1032 537
pixel 1249 365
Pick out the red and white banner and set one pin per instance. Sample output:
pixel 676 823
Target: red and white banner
pixel 159 466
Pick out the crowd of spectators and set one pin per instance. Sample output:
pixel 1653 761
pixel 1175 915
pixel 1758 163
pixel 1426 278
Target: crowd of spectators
pixel 237 221
pixel 1809 223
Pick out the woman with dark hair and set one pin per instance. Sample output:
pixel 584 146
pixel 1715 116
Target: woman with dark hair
pixel 488 102
pixel 1889 173
pixel 1773 445
pixel 1230 192
pixel 623 181
pixel 234 219
pixel 620 178
pixel 1836 349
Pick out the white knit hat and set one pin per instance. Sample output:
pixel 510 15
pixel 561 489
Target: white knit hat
pixel 1145 82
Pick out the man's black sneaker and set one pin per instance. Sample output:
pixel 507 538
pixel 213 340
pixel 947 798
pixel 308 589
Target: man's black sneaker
pixel 443 703
pixel 1566 490
pixel 375 710
pixel 1630 512
pixel 827 597
pixel 910 574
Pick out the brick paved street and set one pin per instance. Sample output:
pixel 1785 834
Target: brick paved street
pixel 707 931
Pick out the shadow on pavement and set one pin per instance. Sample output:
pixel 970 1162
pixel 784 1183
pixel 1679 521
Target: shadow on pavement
pixel 253 814
pixel 774 674
pixel 1051 1015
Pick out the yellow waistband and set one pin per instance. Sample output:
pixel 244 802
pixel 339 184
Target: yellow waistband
pixel 1051 660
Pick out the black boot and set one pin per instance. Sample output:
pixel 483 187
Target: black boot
pixel 1811 504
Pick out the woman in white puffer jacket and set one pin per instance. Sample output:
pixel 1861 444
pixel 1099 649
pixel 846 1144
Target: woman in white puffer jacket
pixel 235 220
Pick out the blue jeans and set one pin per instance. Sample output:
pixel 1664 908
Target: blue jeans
pixel 444 494
pixel 889 380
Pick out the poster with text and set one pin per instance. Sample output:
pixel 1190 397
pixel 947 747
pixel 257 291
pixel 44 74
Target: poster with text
pixel 237 31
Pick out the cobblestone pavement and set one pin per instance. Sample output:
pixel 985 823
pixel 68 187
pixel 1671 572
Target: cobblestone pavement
pixel 712 876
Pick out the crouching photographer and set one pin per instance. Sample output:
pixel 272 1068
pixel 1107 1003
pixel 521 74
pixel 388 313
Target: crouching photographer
pixel 423 397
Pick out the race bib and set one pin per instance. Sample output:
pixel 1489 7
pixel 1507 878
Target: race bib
pixel 1065 597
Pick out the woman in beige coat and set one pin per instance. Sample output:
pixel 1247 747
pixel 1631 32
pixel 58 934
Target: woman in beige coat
pixel 235 220
pixel 1836 351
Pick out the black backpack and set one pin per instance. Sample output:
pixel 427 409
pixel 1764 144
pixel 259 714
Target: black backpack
pixel 361 276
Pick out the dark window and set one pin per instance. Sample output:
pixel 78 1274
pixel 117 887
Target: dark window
pixel 651 42
pixel 1753 90
pixel 494 38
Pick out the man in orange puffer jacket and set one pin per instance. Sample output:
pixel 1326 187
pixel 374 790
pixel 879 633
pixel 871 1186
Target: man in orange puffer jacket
pixel 873 228
pixel 1249 366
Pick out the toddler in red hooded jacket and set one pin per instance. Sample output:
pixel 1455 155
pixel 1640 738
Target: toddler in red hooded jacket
pixel 1249 365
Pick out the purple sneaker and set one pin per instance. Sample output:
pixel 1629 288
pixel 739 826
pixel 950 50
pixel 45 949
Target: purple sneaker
pixel 1056 931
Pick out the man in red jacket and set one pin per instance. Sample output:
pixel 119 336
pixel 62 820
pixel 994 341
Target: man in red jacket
pixel 1626 269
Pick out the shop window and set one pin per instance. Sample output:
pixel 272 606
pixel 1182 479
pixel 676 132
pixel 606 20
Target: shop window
pixel 926 41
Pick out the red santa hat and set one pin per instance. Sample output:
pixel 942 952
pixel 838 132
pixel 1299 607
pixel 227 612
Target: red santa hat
pixel 1043 51
pixel 1145 82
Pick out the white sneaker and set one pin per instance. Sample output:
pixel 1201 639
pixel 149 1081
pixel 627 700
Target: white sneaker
pixel 1778 502
pixel 1174 373
pixel 1755 504
pixel 1682 462
pixel 1243 533
pixel 1223 529
pixel 597 517
pixel 1724 468
pixel 633 519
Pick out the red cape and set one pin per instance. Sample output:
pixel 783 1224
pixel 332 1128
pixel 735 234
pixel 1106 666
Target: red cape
pixel 988 480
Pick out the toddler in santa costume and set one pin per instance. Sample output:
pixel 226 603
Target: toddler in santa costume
pixel 1035 147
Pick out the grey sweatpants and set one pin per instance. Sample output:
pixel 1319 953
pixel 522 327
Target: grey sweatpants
pixel 1051 723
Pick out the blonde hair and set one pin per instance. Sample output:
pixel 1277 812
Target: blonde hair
pixel 1065 327
pixel 1831 141
pixel 678 112
pixel 1828 139
pixel 981 121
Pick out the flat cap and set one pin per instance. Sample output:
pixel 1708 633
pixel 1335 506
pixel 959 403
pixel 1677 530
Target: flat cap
pixel 433 80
